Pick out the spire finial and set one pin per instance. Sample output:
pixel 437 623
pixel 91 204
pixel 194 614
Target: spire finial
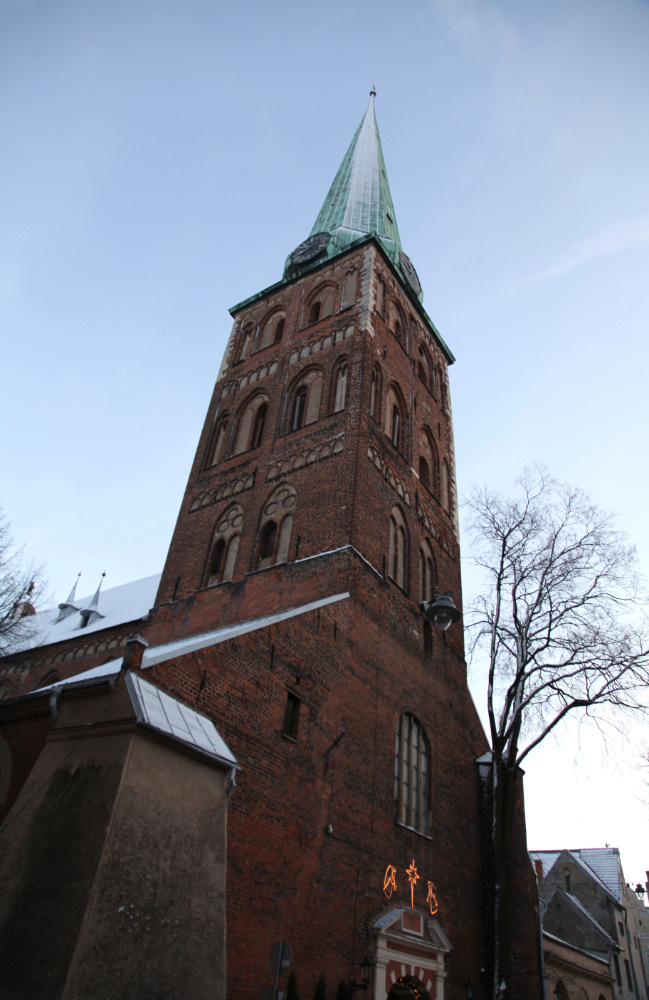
pixel 373 90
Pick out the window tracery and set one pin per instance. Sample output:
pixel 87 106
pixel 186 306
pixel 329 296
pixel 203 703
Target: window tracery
pixel 251 424
pixel 219 440
pixel 304 399
pixel 225 545
pixel 398 549
pixel 411 770
pixel 275 527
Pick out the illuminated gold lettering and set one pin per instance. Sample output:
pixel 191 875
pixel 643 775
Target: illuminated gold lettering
pixel 431 899
pixel 412 878
pixel 390 881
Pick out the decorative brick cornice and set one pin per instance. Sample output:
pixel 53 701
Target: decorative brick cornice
pixel 321 343
pixel 319 453
pixel 229 489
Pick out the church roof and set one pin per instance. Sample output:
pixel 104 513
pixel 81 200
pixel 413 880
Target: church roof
pixel 359 202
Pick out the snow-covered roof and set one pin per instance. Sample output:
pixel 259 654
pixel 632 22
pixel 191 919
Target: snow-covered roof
pixel 169 650
pixel 601 864
pixel 128 602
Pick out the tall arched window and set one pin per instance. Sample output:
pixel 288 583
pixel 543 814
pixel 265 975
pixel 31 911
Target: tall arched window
pixel 339 386
pixel 272 331
pixel 398 549
pixel 428 461
pixel 375 394
pixel 411 769
pixel 427 574
pixel 225 545
pixel 219 439
pixel 349 289
pixel 395 413
pixel 275 527
pixel 424 367
pixel 244 343
pixel 396 323
pixel 320 305
pixel 380 296
pixel 250 427
pixel 304 400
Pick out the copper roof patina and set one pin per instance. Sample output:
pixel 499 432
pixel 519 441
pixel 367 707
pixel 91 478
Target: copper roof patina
pixel 359 202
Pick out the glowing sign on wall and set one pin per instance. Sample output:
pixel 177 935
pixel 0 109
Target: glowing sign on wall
pixel 390 881
pixel 413 877
pixel 390 886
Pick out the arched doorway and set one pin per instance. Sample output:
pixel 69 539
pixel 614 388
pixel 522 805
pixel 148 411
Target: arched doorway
pixel 408 988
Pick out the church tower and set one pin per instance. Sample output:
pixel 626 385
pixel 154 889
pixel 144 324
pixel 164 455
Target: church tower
pixel 330 422
pixel 319 514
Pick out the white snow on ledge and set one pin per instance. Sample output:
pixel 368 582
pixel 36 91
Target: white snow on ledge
pixel 159 654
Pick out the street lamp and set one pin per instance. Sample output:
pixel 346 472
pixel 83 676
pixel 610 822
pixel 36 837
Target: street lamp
pixel 366 974
pixel 441 612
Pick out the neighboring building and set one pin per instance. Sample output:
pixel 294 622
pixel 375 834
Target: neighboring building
pixel 586 906
pixel 320 512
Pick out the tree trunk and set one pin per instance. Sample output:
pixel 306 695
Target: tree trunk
pixel 500 801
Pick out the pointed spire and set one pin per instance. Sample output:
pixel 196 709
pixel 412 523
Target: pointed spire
pixel 67 608
pixel 91 613
pixel 359 201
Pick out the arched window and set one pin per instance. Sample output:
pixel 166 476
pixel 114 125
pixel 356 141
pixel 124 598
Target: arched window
pixel 437 378
pixel 445 487
pixel 395 424
pixel 340 386
pixel 380 296
pixel 251 425
pixel 219 440
pixel 272 331
pixel 428 461
pixel 411 757
pixel 225 545
pixel 427 573
pixel 304 399
pixel 396 323
pixel 424 367
pixel 349 289
pixel 560 991
pixel 398 549
pixel 244 343
pixel 375 393
pixel 321 304
pixel 276 526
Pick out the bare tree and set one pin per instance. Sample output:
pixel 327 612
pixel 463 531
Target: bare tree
pixel 562 628
pixel 21 590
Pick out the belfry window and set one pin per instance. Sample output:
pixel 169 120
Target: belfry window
pixel 299 405
pixel 314 312
pixel 395 418
pixel 305 400
pixel 225 545
pixel 427 575
pixel 398 549
pixel 251 425
pixel 275 527
pixel 340 387
pixel 411 757
pixel 272 331
pixel 219 440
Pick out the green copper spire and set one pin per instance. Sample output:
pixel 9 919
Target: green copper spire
pixel 359 202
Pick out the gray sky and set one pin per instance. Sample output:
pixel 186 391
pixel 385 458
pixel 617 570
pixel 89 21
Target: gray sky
pixel 161 159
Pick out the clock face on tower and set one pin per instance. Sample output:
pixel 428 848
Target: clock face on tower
pixel 310 249
pixel 409 273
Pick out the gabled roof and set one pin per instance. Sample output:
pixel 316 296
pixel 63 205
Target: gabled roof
pixel 602 865
pixel 115 606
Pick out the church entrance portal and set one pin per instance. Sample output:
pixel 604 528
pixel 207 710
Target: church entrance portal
pixel 407 988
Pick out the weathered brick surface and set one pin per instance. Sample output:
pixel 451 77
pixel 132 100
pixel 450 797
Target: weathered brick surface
pixel 311 824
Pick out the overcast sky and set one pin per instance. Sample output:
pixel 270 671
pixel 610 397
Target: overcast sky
pixel 160 159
